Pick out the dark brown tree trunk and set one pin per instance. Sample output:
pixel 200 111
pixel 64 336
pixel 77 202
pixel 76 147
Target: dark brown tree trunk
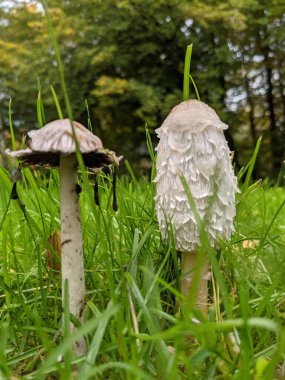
pixel 276 143
pixel 252 126
pixel 282 97
pixel 251 112
pixel 227 132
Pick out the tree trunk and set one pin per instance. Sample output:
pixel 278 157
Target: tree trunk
pixel 227 132
pixel 282 96
pixel 251 112
pixel 251 122
pixel 276 143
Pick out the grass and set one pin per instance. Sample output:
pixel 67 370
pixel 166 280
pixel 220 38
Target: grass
pixel 133 327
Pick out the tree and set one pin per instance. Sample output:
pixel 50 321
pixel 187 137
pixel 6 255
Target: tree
pixel 258 50
pixel 125 57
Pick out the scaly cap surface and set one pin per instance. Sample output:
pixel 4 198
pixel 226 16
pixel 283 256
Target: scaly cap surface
pixel 192 145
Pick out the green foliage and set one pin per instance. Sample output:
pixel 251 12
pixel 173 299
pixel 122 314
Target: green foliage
pixel 126 59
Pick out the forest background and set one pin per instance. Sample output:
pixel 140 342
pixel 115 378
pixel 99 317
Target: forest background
pixel 124 59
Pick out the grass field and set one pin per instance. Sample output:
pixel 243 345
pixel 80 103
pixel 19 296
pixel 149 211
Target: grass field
pixel 134 326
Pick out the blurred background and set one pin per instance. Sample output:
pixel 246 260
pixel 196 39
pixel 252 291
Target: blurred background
pixel 125 59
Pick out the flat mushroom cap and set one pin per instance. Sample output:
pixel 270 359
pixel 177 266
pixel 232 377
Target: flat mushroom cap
pixel 56 138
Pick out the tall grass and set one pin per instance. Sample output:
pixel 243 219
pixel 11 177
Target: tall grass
pixel 133 326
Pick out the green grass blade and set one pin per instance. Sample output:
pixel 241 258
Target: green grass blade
pixel 97 339
pixel 40 107
pixel 39 111
pixel 249 167
pixel 187 65
pixel 13 140
pixel 88 117
pixel 5 371
pixel 195 87
pixel 56 101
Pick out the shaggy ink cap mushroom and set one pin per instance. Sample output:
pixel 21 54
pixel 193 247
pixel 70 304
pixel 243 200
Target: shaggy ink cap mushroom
pixel 192 144
pixel 54 145
pixel 46 145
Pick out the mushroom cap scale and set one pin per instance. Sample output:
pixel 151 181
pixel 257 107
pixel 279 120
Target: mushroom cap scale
pixel 192 145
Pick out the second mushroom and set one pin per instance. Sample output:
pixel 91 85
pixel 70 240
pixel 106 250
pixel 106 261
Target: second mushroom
pixel 192 145
pixel 55 145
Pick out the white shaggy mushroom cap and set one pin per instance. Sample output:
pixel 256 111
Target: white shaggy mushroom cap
pixel 192 144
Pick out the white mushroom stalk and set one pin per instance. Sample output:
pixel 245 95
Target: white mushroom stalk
pixel 72 260
pixel 54 145
pixel 192 145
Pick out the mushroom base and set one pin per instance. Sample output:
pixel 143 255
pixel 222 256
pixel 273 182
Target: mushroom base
pixel 189 265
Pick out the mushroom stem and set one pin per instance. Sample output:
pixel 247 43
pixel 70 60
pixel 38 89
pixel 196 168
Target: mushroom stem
pixel 72 260
pixel 189 264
